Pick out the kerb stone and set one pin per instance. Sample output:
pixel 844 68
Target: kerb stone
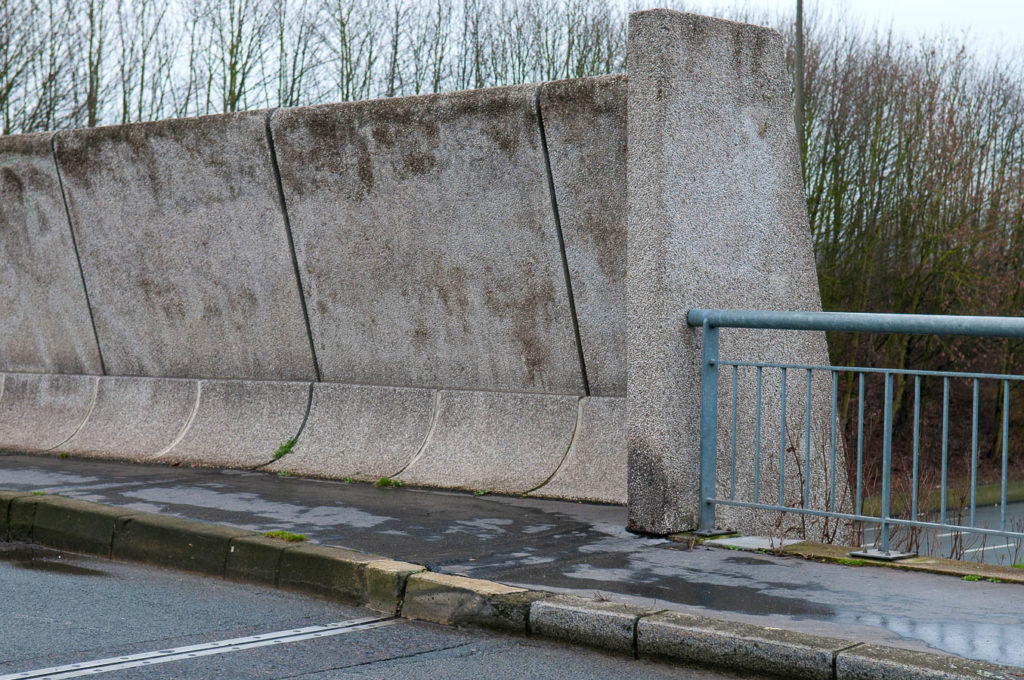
pixel 174 542
pixel 255 558
pixel 605 625
pixel 385 584
pixel 6 499
pixel 334 572
pixel 457 600
pixel 72 524
pixel 873 662
pixel 672 636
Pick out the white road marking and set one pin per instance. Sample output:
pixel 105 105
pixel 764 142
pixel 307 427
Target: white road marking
pixel 966 552
pixel 115 663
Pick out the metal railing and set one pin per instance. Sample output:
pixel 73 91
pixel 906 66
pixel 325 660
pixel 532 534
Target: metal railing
pixel 713 319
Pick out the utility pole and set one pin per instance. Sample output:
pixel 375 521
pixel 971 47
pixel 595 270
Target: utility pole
pixel 799 77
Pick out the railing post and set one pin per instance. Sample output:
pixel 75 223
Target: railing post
pixel 708 427
pixel 886 462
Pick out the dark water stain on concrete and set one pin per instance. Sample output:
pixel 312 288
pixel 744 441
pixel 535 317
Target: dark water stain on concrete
pixel 42 559
pixel 744 559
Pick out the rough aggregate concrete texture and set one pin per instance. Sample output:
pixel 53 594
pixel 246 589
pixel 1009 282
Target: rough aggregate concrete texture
pixel 240 423
pixel 874 662
pixel 716 219
pixel 360 431
pixel 457 600
pixel 39 412
pixel 606 625
pixel 134 418
pixel 595 467
pixel 427 243
pixel 585 128
pixel 184 249
pixel 740 647
pixel 46 326
pixel 501 441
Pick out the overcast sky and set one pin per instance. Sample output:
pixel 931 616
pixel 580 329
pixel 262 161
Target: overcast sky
pixel 991 25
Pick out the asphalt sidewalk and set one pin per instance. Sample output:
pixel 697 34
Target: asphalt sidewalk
pixel 563 547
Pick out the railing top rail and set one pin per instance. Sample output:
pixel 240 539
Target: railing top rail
pixel 856 322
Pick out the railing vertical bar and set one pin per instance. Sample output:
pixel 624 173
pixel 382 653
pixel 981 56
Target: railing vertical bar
pixel 886 462
pixel 945 448
pixel 974 452
pixel 757 441
pixel 732 467
pixel 1006 452
pixel 708 428
pixel 782 444
pixel 917 444
pixel 860 439
pixel 834 425
pixel 807 443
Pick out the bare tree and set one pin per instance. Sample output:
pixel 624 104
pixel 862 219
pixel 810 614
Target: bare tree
pixel 350 35
pixel 146 59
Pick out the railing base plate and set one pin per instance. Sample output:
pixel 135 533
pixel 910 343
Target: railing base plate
pixel 875 554
pixel 715 533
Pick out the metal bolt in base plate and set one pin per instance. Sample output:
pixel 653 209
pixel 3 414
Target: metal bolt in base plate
pixel 876 554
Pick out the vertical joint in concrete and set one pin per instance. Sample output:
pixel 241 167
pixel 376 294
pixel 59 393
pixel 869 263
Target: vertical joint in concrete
pixel 78 258
pixel 291 248
pixel 561 242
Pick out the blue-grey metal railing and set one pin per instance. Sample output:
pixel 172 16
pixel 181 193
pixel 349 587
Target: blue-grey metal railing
pixel 978 326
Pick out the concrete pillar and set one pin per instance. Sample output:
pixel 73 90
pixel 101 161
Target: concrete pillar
pixel 716 218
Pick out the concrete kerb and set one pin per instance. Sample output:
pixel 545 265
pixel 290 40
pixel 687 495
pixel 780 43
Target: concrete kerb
pixel 410 591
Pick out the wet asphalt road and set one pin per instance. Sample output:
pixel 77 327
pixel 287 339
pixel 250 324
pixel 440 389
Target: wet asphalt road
pixel 563 546
pixel 60 609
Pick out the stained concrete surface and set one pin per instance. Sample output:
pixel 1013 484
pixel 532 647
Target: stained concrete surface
pixel 563 546
pixel 594 469
pixel 184 248
pixel 428 248
pixel 363 432
pixel 717 219
pixel 40 411
pixel 46 325
pixel 585 130
pixel 134 418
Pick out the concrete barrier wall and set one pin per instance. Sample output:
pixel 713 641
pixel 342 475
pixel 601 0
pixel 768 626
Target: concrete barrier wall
pixel 45 324
pixel 430 288
pixel 717 219
pixel 184 249
pixel 427 243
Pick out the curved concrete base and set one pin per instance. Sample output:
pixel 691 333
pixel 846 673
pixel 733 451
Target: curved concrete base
pixel 134 417
pixel 40 411
pixel 505 442
pixel 595 468
pixel 360 431
pixel 240 423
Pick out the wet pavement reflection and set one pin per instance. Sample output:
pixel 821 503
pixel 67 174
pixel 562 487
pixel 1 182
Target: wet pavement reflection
pixel 562 546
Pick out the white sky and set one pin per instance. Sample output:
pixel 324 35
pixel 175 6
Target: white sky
pixel 993 26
